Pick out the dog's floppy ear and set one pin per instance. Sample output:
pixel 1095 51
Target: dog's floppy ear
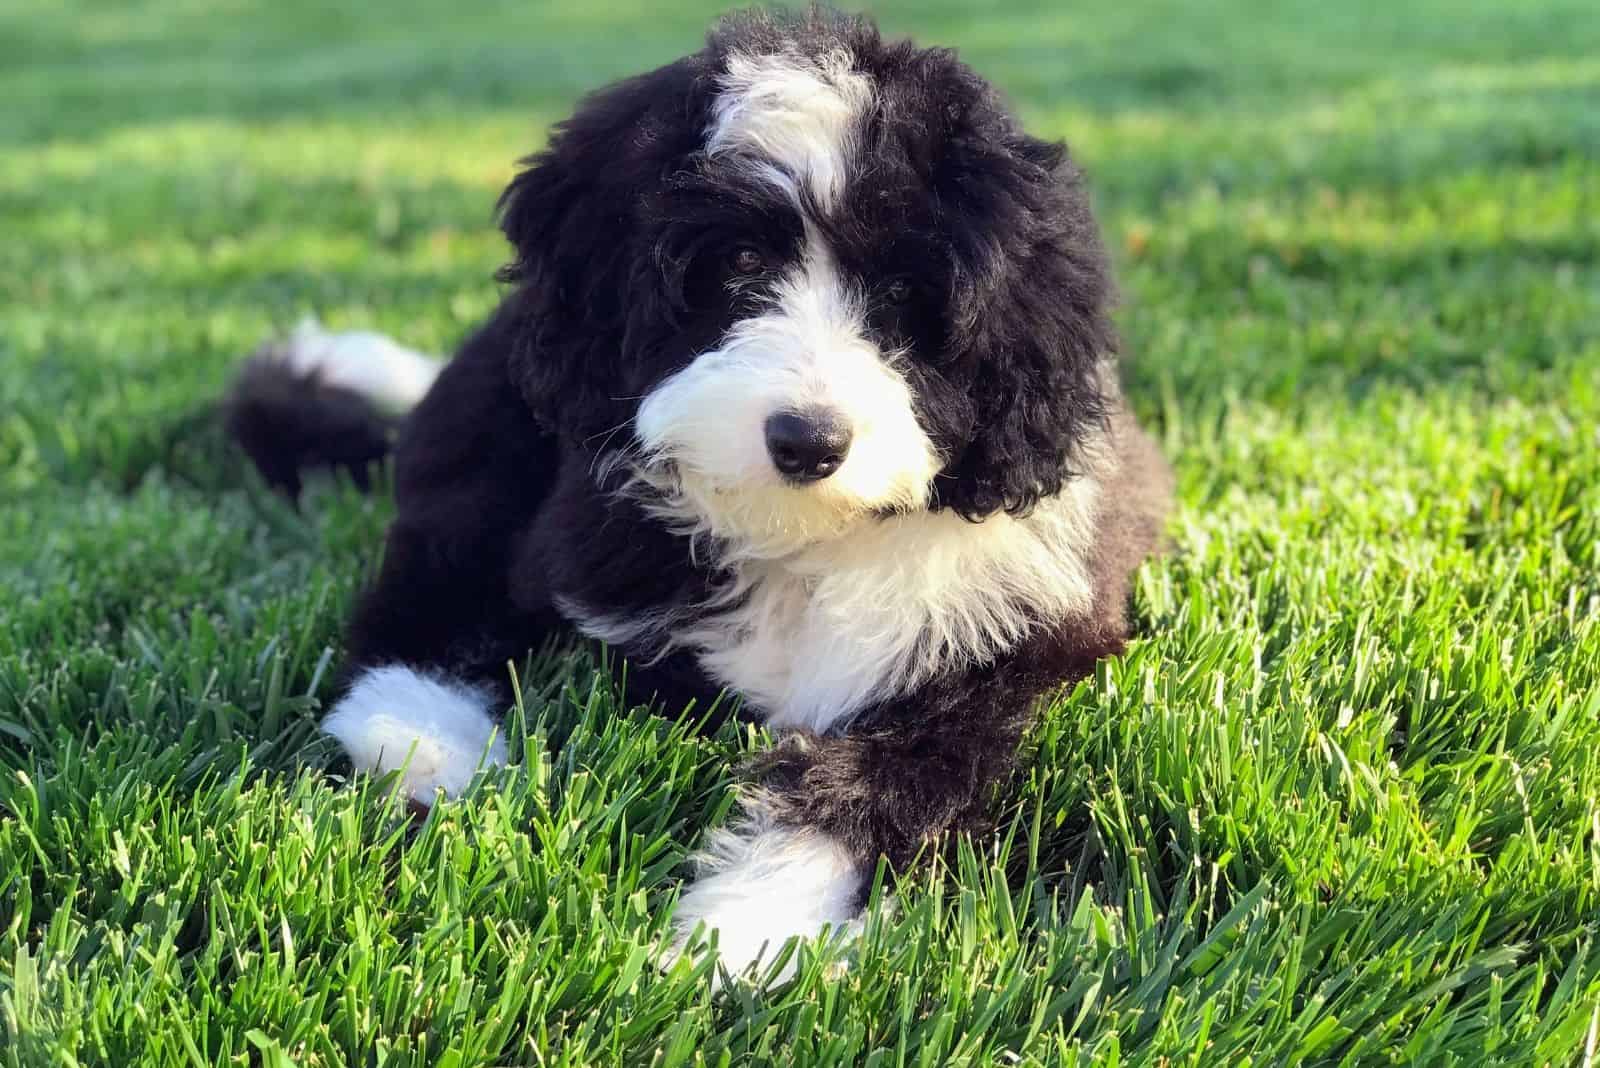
pixel 571 217
pixel 1045 333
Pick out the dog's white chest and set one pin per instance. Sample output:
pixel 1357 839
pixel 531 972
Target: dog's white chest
pixel 798 656
pixel 818 638
pixel 813 639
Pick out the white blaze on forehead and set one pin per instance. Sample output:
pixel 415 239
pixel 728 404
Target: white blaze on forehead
pixel 797 113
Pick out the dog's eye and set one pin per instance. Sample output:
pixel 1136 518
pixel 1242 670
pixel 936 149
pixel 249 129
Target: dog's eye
pixel 898 291
pixel 747 261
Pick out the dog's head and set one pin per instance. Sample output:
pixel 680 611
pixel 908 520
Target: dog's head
pixel 811 277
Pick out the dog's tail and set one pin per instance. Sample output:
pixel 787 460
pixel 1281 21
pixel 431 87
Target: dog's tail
pixel 318 399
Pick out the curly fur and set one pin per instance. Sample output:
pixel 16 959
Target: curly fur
pixel 801 217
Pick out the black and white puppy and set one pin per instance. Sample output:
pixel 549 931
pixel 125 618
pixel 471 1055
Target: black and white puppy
pixel 803 389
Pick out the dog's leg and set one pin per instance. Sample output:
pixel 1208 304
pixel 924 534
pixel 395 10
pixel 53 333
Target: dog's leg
pixel 825 808
pixel 430 640
pixel 437 729
pixel 430 643
pixel 822 812
pixel 761 882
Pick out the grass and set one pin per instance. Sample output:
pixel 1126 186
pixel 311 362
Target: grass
pixel 1340 804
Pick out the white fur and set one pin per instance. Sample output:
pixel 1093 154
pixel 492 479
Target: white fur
pixel 816 638
pixel 759 884
pixel 796 114
pixel 813 638
pixel 387 374
pixel 438 729
pixel 807 350
pixel 830 607
pixel 792 119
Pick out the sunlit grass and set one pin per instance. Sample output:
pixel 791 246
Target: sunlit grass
pixel 1340 803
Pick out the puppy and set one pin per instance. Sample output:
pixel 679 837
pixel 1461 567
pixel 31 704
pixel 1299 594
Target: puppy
pixel 803 389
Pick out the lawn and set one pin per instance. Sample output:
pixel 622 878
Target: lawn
pixel 1340 802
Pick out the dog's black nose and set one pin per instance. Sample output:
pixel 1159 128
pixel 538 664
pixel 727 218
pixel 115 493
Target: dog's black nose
pixel 807 446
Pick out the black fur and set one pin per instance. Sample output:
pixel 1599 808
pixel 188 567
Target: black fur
pixel 620 229
pixel 928 763
pixel 288 423
pixel 614 222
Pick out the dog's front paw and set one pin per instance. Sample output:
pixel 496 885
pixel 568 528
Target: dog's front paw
pixel 438 731
pixel 759 885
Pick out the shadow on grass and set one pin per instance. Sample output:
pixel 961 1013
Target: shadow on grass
pixel 84 70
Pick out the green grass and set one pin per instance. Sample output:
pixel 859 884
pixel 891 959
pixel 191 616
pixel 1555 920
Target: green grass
pixel 1339 804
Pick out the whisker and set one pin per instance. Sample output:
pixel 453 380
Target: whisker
pixel 608 433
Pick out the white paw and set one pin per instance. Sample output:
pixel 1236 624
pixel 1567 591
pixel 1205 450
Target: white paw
pixel 759 885
pixel 438 729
